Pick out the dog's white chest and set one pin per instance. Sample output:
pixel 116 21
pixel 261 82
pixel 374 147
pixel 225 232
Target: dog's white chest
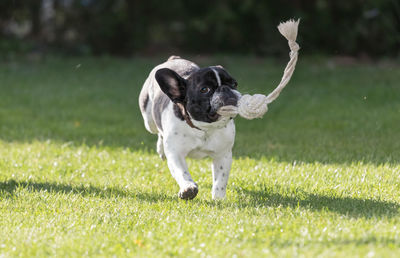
pixel 204 147
pixel 212 143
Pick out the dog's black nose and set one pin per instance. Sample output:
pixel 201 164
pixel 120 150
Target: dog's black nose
pixel 231 102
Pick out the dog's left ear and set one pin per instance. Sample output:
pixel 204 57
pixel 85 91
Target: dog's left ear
pixel 226 78
pixel 171 84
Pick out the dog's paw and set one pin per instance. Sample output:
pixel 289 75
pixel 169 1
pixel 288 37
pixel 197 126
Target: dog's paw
pixel 189 192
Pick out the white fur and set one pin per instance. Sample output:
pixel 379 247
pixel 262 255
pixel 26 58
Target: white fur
pixel 217 76
pixel 215 140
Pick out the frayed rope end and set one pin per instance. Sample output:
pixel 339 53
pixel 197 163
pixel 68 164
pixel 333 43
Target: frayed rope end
pixel 289 29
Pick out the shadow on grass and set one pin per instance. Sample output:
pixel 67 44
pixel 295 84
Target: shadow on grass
pixel 247 198
pixel 347 206
pixel 9 187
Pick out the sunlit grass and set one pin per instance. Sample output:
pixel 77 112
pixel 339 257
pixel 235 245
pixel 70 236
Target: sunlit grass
pixel 319 175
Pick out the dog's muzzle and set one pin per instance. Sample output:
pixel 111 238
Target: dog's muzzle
pixel 224 96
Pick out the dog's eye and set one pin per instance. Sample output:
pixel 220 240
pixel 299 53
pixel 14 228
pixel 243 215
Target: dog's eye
pixel 205 90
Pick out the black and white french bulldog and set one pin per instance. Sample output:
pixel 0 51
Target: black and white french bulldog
pixel 179 102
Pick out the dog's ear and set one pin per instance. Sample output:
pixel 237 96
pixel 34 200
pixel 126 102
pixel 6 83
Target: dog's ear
pixel 226 78
pixel 171 84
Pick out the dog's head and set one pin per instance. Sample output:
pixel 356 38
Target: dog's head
pixel 202 93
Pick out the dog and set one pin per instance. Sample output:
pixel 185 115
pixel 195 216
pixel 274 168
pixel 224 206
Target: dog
pixel 179 102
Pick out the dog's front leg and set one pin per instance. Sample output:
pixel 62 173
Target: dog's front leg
pixel 221 167
pixel 179 170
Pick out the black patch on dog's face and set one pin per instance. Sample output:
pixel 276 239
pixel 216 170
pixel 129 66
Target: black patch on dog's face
pixel 203 87
pixel 202 93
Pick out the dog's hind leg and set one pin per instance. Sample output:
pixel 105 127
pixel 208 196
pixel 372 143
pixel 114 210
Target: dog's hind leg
pixel 160 147
pixel 145 105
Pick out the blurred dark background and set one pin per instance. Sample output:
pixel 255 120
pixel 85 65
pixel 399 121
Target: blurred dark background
pixel 358 28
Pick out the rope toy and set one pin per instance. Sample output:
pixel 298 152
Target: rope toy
pixel 255 106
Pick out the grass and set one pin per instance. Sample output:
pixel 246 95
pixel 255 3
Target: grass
pixel 317 176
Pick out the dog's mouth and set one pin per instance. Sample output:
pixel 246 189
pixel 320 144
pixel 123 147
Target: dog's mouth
pixel 213 115
pixel 218 103
pixel 213 111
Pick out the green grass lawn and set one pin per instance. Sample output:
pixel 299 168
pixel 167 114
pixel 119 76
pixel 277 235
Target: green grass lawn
pixel 319 175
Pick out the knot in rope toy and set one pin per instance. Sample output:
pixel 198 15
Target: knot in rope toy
pixel 255 106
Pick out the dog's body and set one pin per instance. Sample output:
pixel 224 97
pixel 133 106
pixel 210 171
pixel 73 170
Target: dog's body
pixel 178 102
